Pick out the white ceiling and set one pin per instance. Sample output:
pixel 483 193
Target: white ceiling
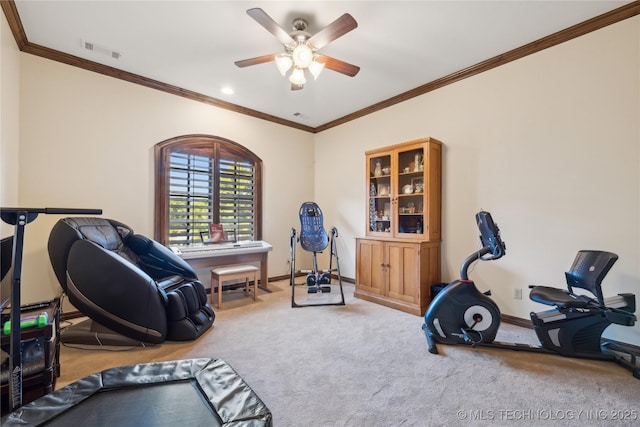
pixel 399 45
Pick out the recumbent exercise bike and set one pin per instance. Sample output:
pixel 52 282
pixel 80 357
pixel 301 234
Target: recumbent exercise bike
pixel 461 314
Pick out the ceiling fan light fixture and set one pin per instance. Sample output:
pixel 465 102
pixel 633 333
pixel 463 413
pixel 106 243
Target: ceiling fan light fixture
pixel 297 77
pixel 316 68
pixel 284 63
pixel 302 56
pixel 300 48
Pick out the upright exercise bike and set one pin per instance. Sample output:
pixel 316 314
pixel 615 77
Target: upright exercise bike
pixel 461 314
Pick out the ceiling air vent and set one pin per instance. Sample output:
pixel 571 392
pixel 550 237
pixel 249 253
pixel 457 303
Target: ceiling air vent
pixel 100 49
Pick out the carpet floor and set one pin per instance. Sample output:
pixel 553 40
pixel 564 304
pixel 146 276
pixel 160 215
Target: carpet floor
pixel 363 364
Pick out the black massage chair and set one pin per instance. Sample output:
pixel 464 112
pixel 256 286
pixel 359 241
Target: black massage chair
pixel 127 282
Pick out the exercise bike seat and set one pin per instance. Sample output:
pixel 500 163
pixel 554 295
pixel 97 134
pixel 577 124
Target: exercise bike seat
pixel 587 272
pixel 558 297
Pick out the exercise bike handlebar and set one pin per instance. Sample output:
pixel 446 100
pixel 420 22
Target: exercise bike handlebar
pixel 491 243
pixel 464 268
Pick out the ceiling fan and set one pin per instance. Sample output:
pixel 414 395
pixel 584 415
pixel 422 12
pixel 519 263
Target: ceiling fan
pixel 301 48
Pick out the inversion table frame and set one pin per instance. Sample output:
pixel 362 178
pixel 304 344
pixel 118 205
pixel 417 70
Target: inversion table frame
pixel 313 238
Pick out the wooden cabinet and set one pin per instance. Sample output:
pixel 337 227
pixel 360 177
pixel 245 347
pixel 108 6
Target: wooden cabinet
pixel 398 274
pixel 404 190
pixel 399 260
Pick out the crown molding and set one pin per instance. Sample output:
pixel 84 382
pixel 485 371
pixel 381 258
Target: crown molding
pixel 596 23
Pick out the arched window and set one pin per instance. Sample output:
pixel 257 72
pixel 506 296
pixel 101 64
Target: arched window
pixel 203 179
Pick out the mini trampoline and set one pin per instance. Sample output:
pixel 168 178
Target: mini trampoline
pixel 193 392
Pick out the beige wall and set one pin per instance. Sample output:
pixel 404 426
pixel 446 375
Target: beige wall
pixel 9 135
pixel 87 142
pixel 9 120
pixel 549 144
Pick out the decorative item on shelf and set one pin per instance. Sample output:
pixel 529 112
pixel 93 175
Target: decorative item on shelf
pixel 383 190
pixel 378 170
pixel 386 170
pixel 407 169
pixel 372 214
pixel 416 162
pixel 407 189
pixel 417 184
pixel 372 189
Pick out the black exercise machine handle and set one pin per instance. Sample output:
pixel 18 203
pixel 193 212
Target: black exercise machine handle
pixel 9 214
pixel 491 243
pixel 464 268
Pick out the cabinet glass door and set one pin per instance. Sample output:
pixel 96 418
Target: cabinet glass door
pixel 380 192
pixel 410 190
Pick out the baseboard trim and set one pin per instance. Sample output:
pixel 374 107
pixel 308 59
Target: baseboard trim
pixel 71 315
pixel 518 321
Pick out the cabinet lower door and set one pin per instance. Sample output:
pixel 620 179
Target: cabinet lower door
pixel 371 266
pixel 404 277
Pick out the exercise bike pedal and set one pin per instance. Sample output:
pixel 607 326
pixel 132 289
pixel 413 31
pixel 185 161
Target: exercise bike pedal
pixel 472 336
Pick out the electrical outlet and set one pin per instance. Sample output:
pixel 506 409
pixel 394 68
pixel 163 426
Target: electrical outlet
pixel 517 293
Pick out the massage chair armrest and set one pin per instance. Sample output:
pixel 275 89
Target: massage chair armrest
pixel 158 261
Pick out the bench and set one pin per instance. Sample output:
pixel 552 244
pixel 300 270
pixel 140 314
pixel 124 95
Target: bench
pixel 224 274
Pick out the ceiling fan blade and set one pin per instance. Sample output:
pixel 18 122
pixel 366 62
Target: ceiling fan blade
pixel 256 60
pixel 272 26
pixel 337 65
pixel 337 28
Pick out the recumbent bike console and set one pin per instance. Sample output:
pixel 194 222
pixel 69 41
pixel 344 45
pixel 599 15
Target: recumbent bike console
pixel 461 314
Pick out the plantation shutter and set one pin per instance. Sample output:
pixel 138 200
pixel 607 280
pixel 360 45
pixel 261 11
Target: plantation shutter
pixel 203 190
pixel 237 197
pixel 190 197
